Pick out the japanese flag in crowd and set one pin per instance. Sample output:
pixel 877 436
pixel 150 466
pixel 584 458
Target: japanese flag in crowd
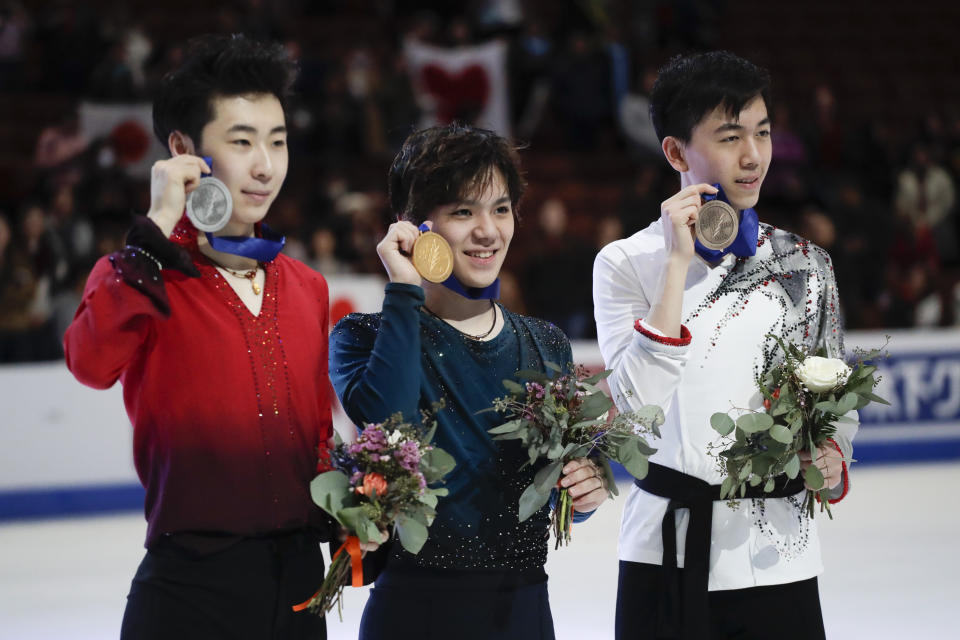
pixel 466 84
pixel 126 131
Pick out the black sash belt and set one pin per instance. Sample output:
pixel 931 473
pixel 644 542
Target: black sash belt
pixel 688 617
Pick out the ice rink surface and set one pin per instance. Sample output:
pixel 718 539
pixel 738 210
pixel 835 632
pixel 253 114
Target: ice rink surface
pixel 891 556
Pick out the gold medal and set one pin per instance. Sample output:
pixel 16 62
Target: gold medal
pixel 717 225
pixel 432 257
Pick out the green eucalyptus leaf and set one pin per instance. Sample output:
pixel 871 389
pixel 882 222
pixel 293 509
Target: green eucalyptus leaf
pixel 368 531
pixel 827 406
pixel 429 499
pixel 353 519
pixel 546 478
pixel 746 470
pixel 643 447
pixel 769 486
pixel 847 403
pixel 874 398
pixel 533 376
pixel 781 434
pixel 594 379
pixel 608 476
pixel 727 487
pixel 514 387
pixel 552 366
pixel 813 477
pixel 412 534
pixel 632 459
pixel 436 463
pixel 792 468
pixel 506 427
pixel 754 422
pixel 331 491
pixel 595 405
pixel 722 423
pixel 651 416
pixel 531 501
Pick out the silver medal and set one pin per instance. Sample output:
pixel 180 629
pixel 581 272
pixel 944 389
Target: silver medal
pixel 209 205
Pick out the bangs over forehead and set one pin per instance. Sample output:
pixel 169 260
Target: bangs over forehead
pixel 450 164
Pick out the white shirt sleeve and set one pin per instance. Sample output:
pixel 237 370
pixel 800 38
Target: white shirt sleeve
pixel 647 366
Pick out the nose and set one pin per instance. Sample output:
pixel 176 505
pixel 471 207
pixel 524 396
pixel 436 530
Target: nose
pixel 751 153
pixel 263 167
pixel 485 228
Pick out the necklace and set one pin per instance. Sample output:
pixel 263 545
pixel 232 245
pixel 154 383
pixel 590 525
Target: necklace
pixel 470 335
pixel 249 275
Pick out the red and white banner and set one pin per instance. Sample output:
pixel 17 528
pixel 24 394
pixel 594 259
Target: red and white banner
pixel 128 131
pixel 463 84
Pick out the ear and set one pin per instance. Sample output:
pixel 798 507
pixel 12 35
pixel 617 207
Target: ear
pixel 674 152
pixel 180 143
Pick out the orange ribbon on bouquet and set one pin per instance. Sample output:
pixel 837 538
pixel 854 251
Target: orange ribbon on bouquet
pixel 352 546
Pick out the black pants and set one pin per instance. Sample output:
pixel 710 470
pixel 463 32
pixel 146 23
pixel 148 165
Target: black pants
pixel 442 604
pixel 245 591
pixel 786 611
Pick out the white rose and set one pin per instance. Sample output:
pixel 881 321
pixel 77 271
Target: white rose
pixel 823 374
pixel 394 437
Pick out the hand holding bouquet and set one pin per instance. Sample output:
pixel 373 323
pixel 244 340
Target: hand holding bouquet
pixel 804 397
pixel 563 417
pixel 379 481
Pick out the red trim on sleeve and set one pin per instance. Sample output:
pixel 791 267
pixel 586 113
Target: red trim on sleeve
pixel 845 475
pixel 682 341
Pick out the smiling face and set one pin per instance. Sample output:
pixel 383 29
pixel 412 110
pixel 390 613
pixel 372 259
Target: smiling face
pixel 732 150
pixel 247 139
pixel 479 229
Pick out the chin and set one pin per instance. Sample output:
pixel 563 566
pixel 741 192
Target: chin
pixel 475 283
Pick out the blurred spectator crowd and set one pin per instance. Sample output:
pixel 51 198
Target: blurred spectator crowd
pixel 878 192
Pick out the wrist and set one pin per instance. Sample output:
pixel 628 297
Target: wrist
pixel 165 221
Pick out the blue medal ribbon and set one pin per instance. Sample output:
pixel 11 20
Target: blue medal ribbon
pixel 490 292
pixel 262 248
pixel 744 245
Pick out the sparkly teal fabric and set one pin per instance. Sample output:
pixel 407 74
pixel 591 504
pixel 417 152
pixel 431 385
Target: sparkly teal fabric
pixel 403 359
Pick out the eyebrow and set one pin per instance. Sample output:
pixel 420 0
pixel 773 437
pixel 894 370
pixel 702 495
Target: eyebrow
pixel 733 126
pixel 246 128
pixel 474 203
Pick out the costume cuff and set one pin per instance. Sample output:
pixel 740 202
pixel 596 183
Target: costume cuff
pixel 145 234
pixel 401 291
pixel 654 334
pixel 141 270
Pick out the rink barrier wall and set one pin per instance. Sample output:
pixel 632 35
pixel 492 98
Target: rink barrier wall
pixel 67 448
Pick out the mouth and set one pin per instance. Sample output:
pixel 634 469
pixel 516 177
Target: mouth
pixel 481 257
pixel 749 182
pixel 258 196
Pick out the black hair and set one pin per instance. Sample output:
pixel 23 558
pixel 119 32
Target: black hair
pixel 691 87
pixel 446 164
pixel 217 66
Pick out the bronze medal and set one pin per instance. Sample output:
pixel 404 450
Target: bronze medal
pixel 717 225
pixel 432 257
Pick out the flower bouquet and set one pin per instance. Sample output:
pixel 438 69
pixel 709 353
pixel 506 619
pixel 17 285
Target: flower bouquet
pixel 804 397
pixel 563 417
pixel 379 481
